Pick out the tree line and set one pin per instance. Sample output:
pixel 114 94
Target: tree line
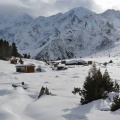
pixel 7 50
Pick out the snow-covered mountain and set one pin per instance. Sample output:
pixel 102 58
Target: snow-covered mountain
pixel 76 33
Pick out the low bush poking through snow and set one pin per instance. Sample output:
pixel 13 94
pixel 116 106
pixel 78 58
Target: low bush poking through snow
pixel 44 91
pixel 96 86
pixel 116 103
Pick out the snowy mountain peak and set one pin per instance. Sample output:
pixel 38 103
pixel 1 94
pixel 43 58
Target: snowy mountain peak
pixel 113 16
pixel 111 11
pixel 82 10
pixel 78 32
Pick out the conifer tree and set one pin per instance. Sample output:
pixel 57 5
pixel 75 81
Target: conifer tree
pixel 116 103
pixel 116 87
pixel 91 88
pixel 1 48
pixel 107 82
pixel 14 50
pixel 6 50
pixel 96 86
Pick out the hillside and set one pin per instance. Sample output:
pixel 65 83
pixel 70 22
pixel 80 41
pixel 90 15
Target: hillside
pixel 17 103
pixel 76 33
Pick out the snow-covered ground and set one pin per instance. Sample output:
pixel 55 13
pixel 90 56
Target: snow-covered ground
pixel 20 104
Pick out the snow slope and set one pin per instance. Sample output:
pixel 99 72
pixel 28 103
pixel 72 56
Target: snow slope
pixel 76 33
pixel 18 104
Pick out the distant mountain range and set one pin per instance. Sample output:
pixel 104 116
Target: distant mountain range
pixel 76 33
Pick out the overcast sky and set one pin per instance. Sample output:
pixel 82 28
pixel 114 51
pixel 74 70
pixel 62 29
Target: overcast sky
pixel 49 7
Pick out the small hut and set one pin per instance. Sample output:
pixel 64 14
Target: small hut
pixel 61 67
pixel 90 62
pixel 28 68
pixel 55 64
pixel 76 62
pixel 63 62
pixel 13 60
pixel 7 58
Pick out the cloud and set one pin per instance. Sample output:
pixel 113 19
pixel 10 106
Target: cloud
pixel 13 7
pixel 49 7
pixel 46 7
pixel 12 2
pixel 108 4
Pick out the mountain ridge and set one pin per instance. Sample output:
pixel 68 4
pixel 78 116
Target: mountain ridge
pixel 76 33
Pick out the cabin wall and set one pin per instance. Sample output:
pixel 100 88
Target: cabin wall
pixel 26 69
pixel 30 69
pixel 20 69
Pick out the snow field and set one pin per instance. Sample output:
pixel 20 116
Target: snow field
pixel 18 104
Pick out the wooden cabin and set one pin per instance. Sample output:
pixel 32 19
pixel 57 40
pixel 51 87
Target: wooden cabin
pixel 13 60
pixel 62 67
pixel 55 64
pixel 63 62
pixel 28 68
pixel 7 58
pixel 90 62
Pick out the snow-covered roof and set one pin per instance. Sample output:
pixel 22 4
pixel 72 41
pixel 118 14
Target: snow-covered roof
pixel 74 61
pixel 13 58
pixel 61 65
pixel 23 65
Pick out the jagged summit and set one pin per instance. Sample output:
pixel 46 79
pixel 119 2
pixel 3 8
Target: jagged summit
pixel 82 9
pixel 78 32
pixel 111 11
pixel 113 16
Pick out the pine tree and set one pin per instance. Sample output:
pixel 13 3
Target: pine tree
pixel 21 61
pixel 10 51
pixel 107 82
pixel 91 88
pixel 14 50
pixel 116 104
pixel 1 49
pixel 6 49
pixel 116 87
pixel 96 86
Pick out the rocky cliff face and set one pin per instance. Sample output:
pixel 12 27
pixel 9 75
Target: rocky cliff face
pixel 77 33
